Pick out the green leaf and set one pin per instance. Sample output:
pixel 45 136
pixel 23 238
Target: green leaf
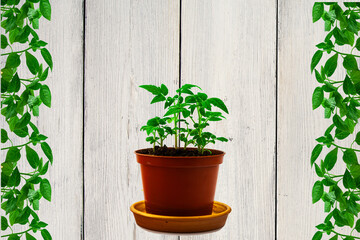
pixel 45 9
pixel 357 44
pixel 164 89
pixel 4 136
pixel 14 179
pixel 47 57
pixel 172 111
pixel 315 153
pixel 189 86
pixel 350 63
pixel 317 235
pixel 7 168
pixel 45 234
pixel 4 42
pixel 348 181
pixel 355 76
pixel 47 151
pixel 317 11
pixel 13 155
pixel 13 237
pixel 24 120
pixel 222 139
pixel 355 171
pixel 316 59
pixel 29 237
pixel 330 65
pixel 23 217
pixel 218 103
pixel 13 60
pixel 340 124
pixel 327 25
pixel 158 98
pixel 339 36
pixel 44 75
pixel 32 157
pixel 45 189
pixel 34 128
pixel 7 74
pixel 357 139
pixel 32 63
pixel 10 207
pixel 14 85
pixel 36 204
pixel 318 171
pixel 330 159
pixel 318 76
pixel 151 88
pixel 357 226
pixel 317 191
pixel 44 169
pixel 350 157
pixel 317 97
pixel 4 223
pixel 45 95
pixel 348 86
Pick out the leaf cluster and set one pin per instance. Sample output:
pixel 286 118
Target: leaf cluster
pixel 21 98
pixel 340 100
pixel 187 115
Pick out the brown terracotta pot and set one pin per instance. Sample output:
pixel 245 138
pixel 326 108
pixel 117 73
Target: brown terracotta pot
pixel 179 186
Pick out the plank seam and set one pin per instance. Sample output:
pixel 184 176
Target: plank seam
pixel 83 127
pixel 276 114
pixel 180 53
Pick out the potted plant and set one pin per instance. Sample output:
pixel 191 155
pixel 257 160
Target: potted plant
pixel 339 186
pixel 181 180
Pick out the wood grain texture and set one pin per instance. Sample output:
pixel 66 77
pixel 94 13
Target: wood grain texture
pixel 63 122
pixel 298 125
pixel 229 49
pixel 128 43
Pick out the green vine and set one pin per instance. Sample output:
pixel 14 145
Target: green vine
pixel 21 98
pixel 340 100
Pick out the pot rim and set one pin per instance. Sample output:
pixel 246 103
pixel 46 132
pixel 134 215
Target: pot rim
pixel 222 153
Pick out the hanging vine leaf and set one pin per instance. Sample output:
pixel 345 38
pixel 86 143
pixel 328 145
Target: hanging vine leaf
pixel 45 95
pixel 340 199
pixel 21 99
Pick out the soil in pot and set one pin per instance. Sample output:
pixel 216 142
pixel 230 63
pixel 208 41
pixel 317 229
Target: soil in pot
pixel 165 151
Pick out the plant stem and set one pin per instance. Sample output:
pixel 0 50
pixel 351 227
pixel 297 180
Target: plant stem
pixel 347 54
pixel 17 145
pixel 200 130
pixel 154 141
pixel 17 233
pixel 4 54
pixel 356 150
pixel 176 133
pixel 343 235
pixel 161 141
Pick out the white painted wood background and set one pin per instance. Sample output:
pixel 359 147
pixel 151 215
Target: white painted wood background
pixel 255 55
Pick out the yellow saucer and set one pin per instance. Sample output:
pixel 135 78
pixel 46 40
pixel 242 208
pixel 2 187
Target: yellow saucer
pixel 175 224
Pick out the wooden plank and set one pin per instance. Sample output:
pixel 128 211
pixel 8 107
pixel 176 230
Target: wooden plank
pixel 128 43
pixel 298 125
pixel 63 122
pixel 229 49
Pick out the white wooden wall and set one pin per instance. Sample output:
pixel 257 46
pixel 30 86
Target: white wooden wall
pixel 255 55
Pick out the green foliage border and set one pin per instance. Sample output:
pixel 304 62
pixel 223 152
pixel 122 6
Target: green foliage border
pixel 340 193
pixel 21 99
